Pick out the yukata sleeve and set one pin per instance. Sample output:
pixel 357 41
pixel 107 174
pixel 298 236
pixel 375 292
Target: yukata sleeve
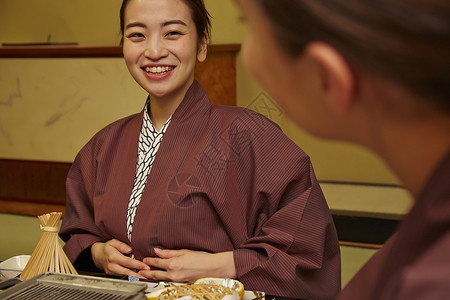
pixel 78 229
pixel 295 251
pixel 292 248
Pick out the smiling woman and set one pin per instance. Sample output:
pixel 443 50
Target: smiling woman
pixel 159 36
pixel 186 189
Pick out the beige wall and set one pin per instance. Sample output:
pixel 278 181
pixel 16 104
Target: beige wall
pixel 92 22
pixel 45 113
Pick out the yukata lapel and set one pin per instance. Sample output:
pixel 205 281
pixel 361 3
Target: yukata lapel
pixel 179 140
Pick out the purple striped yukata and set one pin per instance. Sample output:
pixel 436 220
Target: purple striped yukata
pixel 224 179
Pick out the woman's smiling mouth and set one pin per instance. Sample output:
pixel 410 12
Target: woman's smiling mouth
pixel 158 70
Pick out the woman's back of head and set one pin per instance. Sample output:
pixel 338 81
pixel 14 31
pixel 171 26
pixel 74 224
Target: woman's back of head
pixel 405 41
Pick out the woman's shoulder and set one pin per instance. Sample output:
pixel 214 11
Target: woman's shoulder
pixel 120 124
pixel 112 132
pixel 239 123
pixel 235 114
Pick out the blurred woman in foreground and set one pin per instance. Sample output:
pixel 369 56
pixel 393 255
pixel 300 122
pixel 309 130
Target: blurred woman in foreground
pixel 375 73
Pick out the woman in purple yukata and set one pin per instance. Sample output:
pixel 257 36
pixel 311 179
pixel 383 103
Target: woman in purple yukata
pixel 186 189
pixel 376 73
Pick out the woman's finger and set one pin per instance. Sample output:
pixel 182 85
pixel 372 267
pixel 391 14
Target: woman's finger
pixel 131 263
pixel 118 269
pixel 158 275
pixel 121 246
pixel 157 263
pixel 164 253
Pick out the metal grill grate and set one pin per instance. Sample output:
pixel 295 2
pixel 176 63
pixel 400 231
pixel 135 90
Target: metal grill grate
pixel 43 291
pixel 74 287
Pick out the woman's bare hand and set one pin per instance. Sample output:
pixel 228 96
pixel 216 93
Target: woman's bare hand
pixel 188 265
pixel 113 257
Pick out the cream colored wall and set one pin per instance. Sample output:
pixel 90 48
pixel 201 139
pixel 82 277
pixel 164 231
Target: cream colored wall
pixel 25 132
pixel 92 22
pixel 52 108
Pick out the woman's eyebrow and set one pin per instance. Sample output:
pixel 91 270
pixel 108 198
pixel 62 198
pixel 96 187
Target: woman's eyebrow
pixel 171 22
pixel 167 23
pixel 135 24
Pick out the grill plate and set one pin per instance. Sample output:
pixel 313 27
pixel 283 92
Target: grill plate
pixel 74 287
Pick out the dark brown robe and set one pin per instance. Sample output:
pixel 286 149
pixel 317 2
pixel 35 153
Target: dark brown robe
pixel 224 179
pixel 415 262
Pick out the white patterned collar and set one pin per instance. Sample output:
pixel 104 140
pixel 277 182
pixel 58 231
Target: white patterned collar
pixel 147 121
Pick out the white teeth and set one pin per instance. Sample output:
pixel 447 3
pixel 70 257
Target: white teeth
pixel 158 69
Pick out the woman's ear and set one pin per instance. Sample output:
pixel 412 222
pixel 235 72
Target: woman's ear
pixel 336 77
pixel 202 47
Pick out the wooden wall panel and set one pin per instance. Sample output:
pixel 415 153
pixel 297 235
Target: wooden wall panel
pixel 32 187
pixel 217 74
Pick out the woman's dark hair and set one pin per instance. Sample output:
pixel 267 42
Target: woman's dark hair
pixel 407 41
pixel 200 16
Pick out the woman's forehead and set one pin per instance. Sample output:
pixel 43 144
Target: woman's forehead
pixel 157 10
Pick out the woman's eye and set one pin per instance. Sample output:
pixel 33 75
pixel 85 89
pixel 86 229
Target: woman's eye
pixel 173 34
pixel 135 35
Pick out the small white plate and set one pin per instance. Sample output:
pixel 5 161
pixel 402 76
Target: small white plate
pixel 13 266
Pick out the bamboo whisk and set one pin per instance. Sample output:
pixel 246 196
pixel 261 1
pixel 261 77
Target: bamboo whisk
pixel 48 256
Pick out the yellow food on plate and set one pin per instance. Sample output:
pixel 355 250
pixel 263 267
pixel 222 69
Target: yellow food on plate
pixel 194 291
pixel 230 283
pixel 205 289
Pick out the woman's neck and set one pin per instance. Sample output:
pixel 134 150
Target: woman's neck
pixel 161 110
pixel 401 128
pixel 413 150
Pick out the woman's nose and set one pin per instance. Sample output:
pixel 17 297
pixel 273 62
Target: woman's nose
pixel 156 49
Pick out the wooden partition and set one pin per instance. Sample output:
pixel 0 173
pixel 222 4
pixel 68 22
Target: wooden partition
pixel 32 187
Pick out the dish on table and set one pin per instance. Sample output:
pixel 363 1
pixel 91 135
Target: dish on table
pixel 207 289
pixel 13 266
